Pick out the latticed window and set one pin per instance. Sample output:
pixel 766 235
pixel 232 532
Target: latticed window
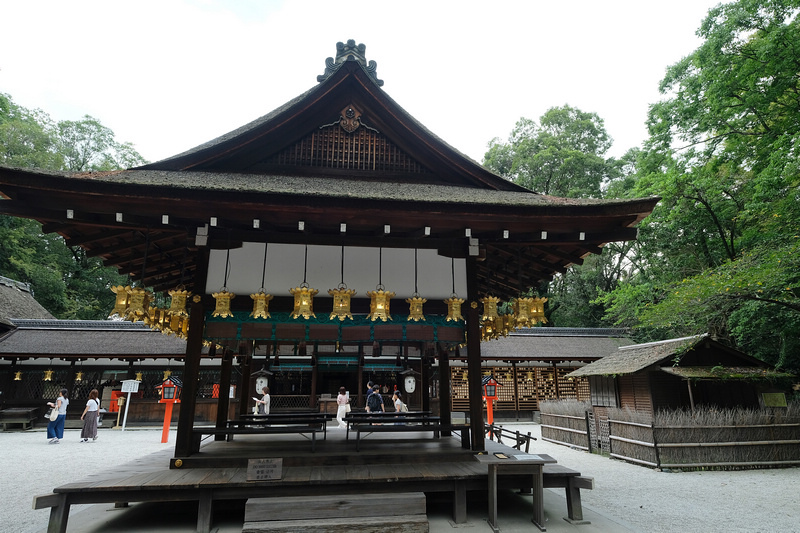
pixel 332 147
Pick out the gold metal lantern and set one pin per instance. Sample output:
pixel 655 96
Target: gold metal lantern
pixel 138 304
pixel 341 302
pixel 415 308
pixel 454 308
pixel 303 301
pixel 379 301
pixel 261 304
pixel 223 306
pixel 178 304
pixel 121 302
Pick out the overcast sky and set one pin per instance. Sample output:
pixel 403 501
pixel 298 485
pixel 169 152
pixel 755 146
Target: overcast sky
pixel 167 75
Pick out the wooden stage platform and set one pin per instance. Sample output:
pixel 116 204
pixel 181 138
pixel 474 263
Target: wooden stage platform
pixel 402 462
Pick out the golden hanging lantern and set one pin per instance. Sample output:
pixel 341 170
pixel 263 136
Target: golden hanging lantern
pixel 538 310
pixel 18 375
pixel 121 302
pixel 341 302
pixel 48 375
pixel 415 307
pixel 261 304
pixel 138 376
pixel 79 376
pixel 489 308
pixel 454 308
pixel 530 375
pixel 138 304
pixel 167 374
pixel 177 306
pixel 223 307
pixel 379 301
pixel 524 311
pixel 154 317
pixel 303 301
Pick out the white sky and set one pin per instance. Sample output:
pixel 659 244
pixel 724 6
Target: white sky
pixel 167 75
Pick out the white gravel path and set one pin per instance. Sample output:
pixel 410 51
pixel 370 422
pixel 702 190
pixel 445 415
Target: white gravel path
pixel 30 466
pixel 738 501
pixel 654 502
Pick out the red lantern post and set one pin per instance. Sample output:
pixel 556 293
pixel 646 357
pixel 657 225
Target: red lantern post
pixel 170 391
pixel 490 395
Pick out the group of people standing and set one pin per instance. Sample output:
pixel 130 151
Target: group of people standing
pixel 90 417
pixel 374 402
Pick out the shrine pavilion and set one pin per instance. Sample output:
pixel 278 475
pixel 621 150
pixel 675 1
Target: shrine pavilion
pixel 335 235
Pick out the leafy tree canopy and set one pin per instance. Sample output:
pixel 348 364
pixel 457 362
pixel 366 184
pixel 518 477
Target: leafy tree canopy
pixel 720 252
pixel 562 154
pixel 65 280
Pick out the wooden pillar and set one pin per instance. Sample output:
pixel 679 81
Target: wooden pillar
pixel 474 357
pixel 424 378
pixel 244 386
pixel 360 396
pixel 516 387
pixel 445 396
pixel 224 401
pixel 555 381
pixel 194 351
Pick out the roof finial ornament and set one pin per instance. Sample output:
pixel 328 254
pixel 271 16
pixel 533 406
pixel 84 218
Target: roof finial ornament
pixel 350 52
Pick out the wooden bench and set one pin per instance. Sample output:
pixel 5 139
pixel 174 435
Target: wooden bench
pixel 228 433
pixel 556 476
pixel 403 512
pixel 381 417
pixel 18 415
pixel 282 419
pixel 402 422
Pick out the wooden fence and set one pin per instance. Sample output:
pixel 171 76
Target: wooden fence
pixel 685 446
pixel 719 447
pixel 567 430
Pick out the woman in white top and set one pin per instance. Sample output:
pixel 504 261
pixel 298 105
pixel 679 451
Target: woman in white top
pixel 263 403
pixel 89 417
pixel 55 429
pixel 341 401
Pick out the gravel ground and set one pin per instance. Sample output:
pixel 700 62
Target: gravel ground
pixel 30 466
pixel 655 502
pixel 741 501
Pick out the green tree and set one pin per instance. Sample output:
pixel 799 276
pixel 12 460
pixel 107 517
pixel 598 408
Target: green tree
pixel 65 280
pixel 562 155
pixel 720 252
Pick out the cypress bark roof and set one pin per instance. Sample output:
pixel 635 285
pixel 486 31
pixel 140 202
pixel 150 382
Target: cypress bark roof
pixel 16 301
pixel 673 352
pixel 88 338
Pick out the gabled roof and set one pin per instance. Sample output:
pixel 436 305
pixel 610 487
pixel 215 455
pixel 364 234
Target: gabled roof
pixel 79 339
pixel 638 357
pixel 342 153
pixel 376 119
pixel 16 301
pixel 555 344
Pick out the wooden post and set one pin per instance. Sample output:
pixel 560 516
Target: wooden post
pixel 224 401
pixel 516 387
pixel 691 396
pixel 191 370
pixel 474 357
pixel 445 398
pixel 244 386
